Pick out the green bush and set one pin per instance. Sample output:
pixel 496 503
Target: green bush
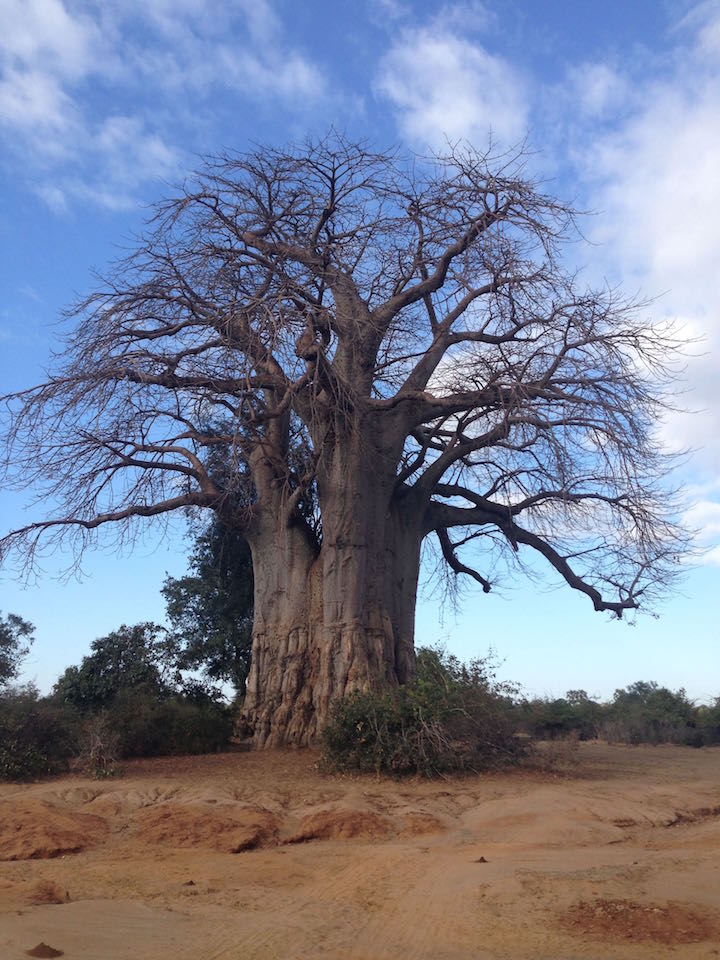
pixel 708 723
pixel 135 704
pixel 37 737
pixel 149 726
pixel 42 736
pixel 128 659
pixel 645 712
pixel 574 716
pixel 451 716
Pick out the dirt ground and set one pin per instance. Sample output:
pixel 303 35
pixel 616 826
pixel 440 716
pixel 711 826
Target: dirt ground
pixel 615 854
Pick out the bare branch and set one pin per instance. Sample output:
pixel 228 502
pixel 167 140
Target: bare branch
pixel 388 347
pixel 448 549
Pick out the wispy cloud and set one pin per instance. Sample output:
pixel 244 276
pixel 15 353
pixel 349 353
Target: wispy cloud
pixel 45 33
pixel 646 142
pixel 712 557
pixel 443 85
pixel 656 180
pixel 702 21
pixel 389 10
pixel 642 138
pixel 704 517
pixel 597 90
pixel 96 97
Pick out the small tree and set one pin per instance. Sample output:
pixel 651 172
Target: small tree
pixel 211 609
pixel 130 658
pixel 16 635
pixel 645 712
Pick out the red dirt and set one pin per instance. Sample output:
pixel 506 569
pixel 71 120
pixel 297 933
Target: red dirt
pixel 616 855
pixel 228 829
pixel 341 825
pixel 648 922
pixel 37 830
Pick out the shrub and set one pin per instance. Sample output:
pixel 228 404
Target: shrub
pixel 451 716
pixel 37 737
pixel 646 713
pixel 708 723
pixel 574 716
pixel 152 727
pixel 99 746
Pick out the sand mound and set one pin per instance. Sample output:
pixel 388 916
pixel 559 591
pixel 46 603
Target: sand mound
pixel 341 825
pixel 547 818
pixel 37 830
pixel 227 828
pixel 113 802
pixel 417 823
pixel 618 861
pixel 45 891
pixel 44 950
pixel 632 921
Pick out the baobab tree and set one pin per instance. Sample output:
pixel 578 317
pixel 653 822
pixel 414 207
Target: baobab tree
pixel 386 352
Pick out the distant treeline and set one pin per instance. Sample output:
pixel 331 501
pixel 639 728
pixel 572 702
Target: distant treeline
pixel 130 698
pixel 643 712
pixel 127 698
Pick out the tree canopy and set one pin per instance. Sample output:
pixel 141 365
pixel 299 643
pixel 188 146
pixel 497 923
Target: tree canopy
pixel 210 609
pixel 16 635
pixel 129 658
pixel 397 355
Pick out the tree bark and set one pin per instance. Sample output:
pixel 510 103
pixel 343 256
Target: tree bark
pixel 336 621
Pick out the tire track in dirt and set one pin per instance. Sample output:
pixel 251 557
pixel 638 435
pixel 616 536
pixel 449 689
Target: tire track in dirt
pixel 515 853
pixel 352 881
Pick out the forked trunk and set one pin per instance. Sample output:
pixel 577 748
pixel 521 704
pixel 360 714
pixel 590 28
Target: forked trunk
pixel 331 622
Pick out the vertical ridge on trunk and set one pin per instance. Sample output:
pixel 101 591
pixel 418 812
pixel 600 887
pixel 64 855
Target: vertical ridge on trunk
pixel 339 621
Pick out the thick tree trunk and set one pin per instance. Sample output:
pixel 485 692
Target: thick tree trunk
pixel 278 699
pixel 330 623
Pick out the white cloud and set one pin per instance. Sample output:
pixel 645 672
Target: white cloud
pixel 263 23
pixel 188 48
pixel 712 557
pixel 660 180
pixel 35 105
pixel 290 76
pixel 704 516
pixel 441 85
pixel 132 151
pixel 597 88
pixel 268 67
pixel 53 196
pixel 95 94
pixel 655 178
pixel 654 175
pixel 43 32
pixel 44 51
pixel 703 23
pixel 392 10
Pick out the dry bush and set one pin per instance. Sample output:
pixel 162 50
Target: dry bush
pixel 450 717
pixel 99 746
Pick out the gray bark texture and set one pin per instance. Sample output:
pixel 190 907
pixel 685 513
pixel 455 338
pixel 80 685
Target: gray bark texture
pixel 336 619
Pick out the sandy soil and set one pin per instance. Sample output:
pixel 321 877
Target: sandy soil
pixel 252 857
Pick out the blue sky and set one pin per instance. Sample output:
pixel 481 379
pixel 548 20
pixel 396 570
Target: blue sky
pixel 104 104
